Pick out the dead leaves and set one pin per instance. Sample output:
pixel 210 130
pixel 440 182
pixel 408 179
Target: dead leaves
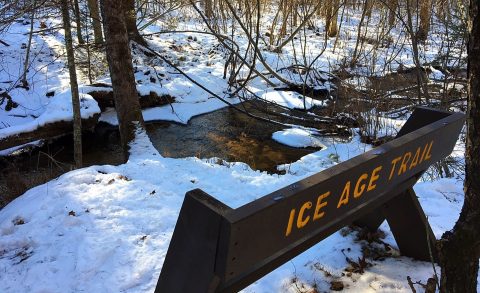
pixel 18 221
pixel 112 180
pixel 358 266
pixel 336 285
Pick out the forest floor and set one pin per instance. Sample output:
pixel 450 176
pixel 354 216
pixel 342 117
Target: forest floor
pixel 107 228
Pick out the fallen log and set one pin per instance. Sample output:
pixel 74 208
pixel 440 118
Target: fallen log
pixel 105 99
pixel 48 131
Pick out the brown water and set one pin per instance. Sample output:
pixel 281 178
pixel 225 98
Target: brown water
pixel 226 134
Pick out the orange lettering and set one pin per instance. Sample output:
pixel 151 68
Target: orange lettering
pixel 374 178
pixel 358 192
pixel 320 205
pixel 394 164
pixel 425 149
pixel 428 156
pixel 345 195
pixel 301 222
pixel 415 159
pixel 290 222
pixel 403 165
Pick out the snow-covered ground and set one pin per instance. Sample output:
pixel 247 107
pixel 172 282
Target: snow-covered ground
pixel 107 228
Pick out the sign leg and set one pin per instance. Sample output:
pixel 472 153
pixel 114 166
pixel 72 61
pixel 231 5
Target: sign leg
pixel 190 261
pixel 410 226
pixel 371 221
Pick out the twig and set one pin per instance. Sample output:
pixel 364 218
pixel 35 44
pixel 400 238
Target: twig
pixel 410 283
pixel 209 91
pixel 432 260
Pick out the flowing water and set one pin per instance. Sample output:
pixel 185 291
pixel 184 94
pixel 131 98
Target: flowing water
pixel 226 134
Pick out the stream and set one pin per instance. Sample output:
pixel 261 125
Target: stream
pixel 226 134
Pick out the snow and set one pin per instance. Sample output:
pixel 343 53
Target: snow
pixel 177 112
pixel 59 109
pixel 299 138
pixel 360 83
pixel 290 99
pixel 107 228
pixel 20 148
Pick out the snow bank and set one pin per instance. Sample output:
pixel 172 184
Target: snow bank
pixel 299 138
pixel 180 112
pixel 59 109
pixel 290 99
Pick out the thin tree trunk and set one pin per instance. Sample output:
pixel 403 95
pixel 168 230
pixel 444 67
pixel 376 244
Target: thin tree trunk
pixel 121 72
pixel 78 20
pixel 392 12
pixel 459 249
pixel 131 22
pixel 332 17
pixel 208 6
pixel 77 121
pixel 327 10
pixel 369 4
pixel 89 60
pixel 421 79
pixel 356 52
pixel 425 15
pixel 29 45
pixel 285 6
pixel 96 21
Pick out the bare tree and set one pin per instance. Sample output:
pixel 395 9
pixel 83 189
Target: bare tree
pixel 425 16
pixel 78 20
pixel 131 21
pixel 460 248
pixel 392 10
pixel 208 7
pixel 331 17
pixel 96 22
pixel 121 71
pixel 77 121
pixel 27 54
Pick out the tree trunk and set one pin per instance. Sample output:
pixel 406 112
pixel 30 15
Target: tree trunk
pixel 425 15
pixel 392 12
pixel 27 54
pixel 459 249
pixel 356 52
pixel 96 21
pixel 286 8
pixel 332 17
pixel 121 72
pixel 421 78
pixel 77 120
pixel 369 4
pixel 131 22
pixel 208 6
pixel 78 20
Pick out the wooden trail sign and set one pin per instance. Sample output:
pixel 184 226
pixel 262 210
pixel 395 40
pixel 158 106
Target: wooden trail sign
pixel 215 248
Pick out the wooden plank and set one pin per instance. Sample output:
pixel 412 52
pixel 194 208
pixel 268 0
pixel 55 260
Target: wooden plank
pixel 420 117
pixel 276 225
pixel 224 250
